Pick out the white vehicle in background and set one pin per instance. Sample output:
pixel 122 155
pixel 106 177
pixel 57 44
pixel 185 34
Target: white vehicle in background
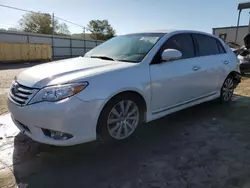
pixel 125 81
pixel 243 55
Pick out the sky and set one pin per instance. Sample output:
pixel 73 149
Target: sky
pixel 128 16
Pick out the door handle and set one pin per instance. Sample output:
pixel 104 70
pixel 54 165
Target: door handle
pixel 195 68
pixel 225 62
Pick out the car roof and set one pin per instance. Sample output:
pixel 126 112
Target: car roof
pixel 173 31
pixel 165 31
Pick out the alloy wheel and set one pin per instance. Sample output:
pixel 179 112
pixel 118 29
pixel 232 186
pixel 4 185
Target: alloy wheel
pixel 123 119
pixel 228 89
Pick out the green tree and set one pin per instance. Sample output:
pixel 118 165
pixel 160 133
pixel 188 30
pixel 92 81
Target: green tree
pixel 101 29
pixel 62 29
pixel 42 23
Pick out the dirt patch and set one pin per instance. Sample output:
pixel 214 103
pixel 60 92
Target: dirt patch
pixel 7 74
pixel 3 104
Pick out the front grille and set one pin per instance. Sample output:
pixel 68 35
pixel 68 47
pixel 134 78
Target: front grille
pixel 20 94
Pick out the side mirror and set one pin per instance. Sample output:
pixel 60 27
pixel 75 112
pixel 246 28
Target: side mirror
pixel 170 55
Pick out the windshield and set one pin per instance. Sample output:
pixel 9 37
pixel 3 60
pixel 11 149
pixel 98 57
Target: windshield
pixel 129 48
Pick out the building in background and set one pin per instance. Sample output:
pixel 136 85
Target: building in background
pixel 228 33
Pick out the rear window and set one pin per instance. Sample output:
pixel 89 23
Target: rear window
pixel 207 45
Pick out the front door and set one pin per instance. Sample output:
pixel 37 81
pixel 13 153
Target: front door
pixel 175 82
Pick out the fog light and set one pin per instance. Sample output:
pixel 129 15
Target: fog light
pixel 57 135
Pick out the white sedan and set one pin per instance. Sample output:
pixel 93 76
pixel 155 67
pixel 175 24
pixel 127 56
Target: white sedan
pixel 125 81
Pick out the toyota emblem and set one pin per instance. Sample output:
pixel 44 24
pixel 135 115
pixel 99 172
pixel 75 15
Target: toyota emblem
pixel 14 88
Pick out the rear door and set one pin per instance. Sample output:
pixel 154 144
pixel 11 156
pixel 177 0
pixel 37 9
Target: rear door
pixel 212 60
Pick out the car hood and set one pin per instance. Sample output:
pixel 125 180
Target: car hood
pixel 65 71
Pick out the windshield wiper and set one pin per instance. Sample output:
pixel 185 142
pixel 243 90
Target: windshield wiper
pixel 124 60
pixel 103 57
pixel 109 58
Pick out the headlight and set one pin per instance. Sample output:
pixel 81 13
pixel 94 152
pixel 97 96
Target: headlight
pixel 59 92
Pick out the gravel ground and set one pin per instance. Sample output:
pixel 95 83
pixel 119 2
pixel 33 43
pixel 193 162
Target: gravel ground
pixel 204 146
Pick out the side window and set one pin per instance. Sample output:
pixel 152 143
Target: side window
pixel 206 45
pixel 183 43
pixel 221 48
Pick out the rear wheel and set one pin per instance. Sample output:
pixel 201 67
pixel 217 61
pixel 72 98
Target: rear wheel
pixel 227 89
pixel 119 119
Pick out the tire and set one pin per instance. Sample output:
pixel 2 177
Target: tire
pixel 120 118
pixel 227 90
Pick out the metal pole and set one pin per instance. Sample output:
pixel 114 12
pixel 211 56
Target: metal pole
pixel 71 54
pixel 53 32
pixel 249 25
pixel 53 24
pixel 237 29
pixel 84 32
pixel 84 38
pixel 28 38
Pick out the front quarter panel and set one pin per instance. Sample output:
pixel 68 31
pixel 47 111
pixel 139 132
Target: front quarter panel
pixel 105 86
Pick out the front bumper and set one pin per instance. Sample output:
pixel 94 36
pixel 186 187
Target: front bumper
pixel 70 115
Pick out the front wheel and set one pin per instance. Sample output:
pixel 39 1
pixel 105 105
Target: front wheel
pixel 227 90
pixel 119 119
